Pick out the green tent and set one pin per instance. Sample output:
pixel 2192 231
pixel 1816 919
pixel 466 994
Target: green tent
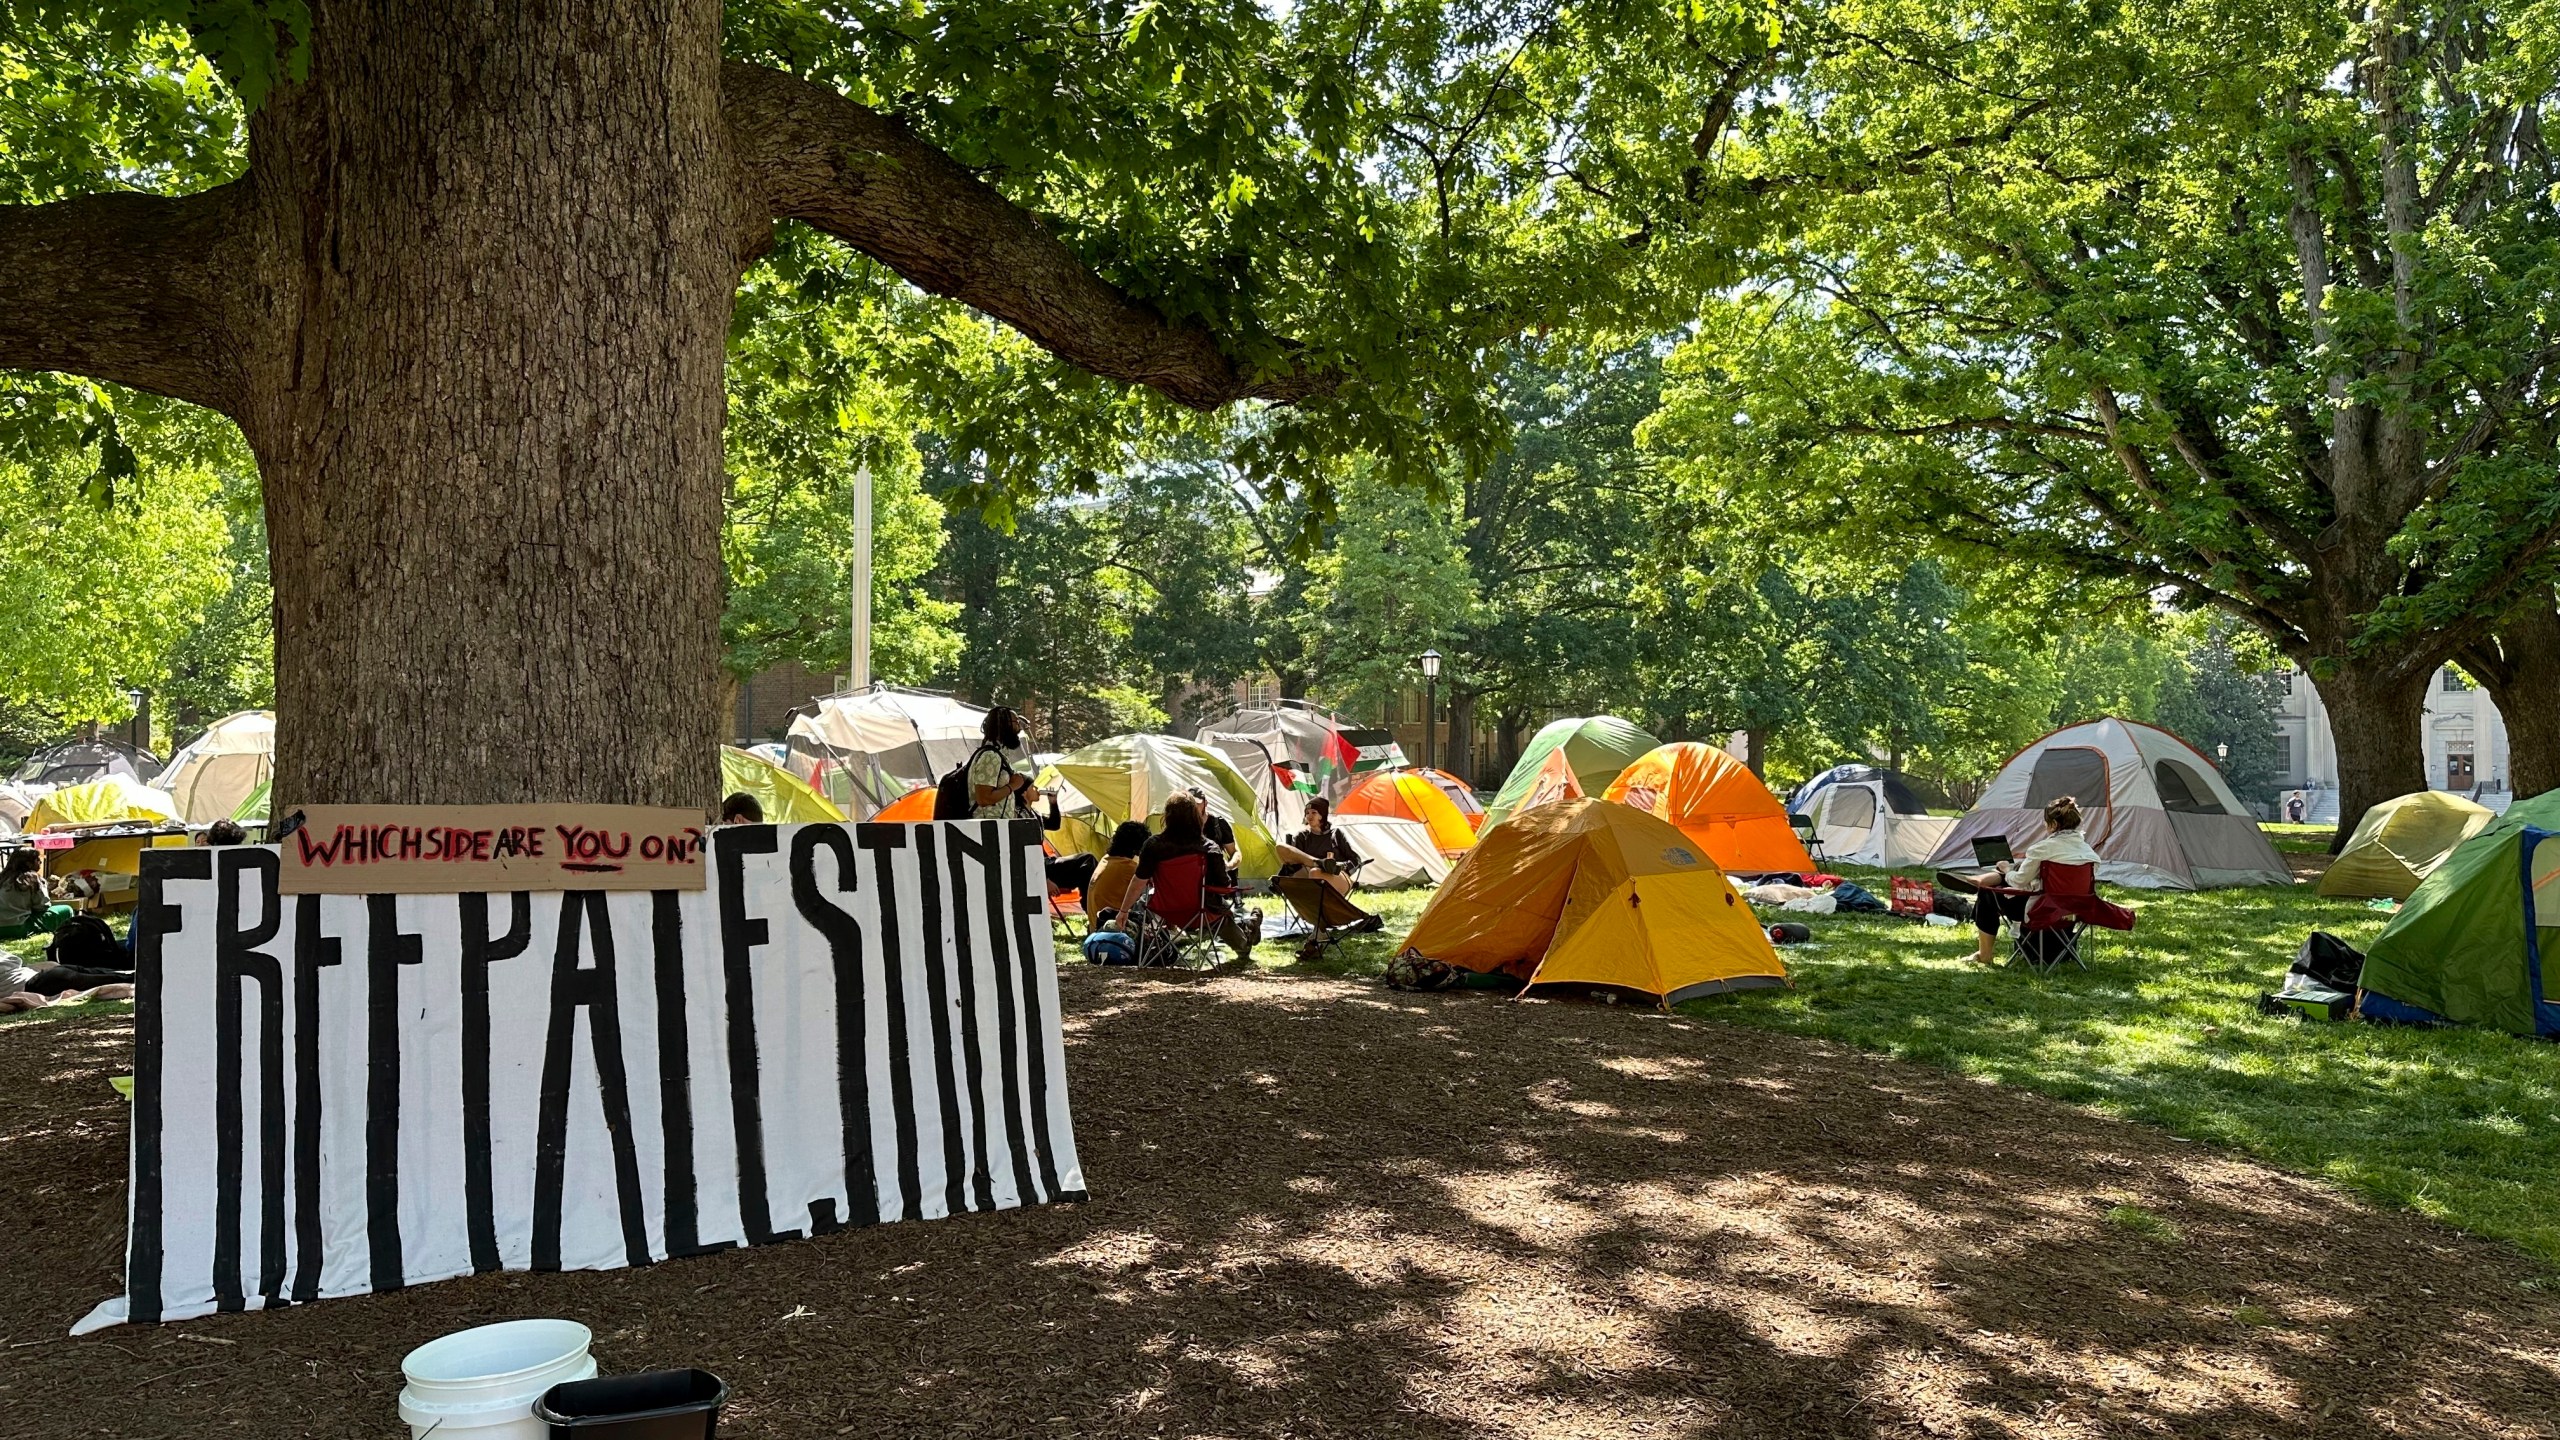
pixel 1130 777
pixel 2470 944
pixel 2399 843
pixel 786 798
pixel 1595 747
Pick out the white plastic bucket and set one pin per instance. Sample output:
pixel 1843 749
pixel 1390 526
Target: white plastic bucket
pixel 481 1383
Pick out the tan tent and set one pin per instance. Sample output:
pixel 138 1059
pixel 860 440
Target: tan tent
pixel 2156 810
pixel 220 769
pixel 2401 842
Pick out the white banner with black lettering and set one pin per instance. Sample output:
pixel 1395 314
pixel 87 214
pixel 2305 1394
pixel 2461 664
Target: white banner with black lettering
pixel 336 1094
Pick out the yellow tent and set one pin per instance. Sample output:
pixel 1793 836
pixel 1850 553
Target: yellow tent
pixel 1591 892
pixel 2401 842
pixel 786 798
pixel 114 800
pixel 1130 777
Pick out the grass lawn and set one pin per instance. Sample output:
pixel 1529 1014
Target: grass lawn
pixel 2461 1125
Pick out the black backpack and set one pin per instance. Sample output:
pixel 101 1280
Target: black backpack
pixel 953 799
pixel 85 943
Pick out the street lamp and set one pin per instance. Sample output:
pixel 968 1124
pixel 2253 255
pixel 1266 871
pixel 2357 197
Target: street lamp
pixel 2222 753
pixel 1429 660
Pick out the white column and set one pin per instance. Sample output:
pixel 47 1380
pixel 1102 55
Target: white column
pixel 859 662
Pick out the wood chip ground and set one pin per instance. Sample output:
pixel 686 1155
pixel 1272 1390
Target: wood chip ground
pixel 1324 1209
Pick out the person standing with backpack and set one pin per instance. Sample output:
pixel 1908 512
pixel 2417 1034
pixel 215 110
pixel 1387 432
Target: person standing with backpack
pixel 998 788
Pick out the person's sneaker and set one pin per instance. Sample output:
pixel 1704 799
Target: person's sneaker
pixel 1367 925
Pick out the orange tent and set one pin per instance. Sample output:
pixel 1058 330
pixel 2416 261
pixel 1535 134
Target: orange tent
pixel 1405 795
pixel 914 807
pixel 1582 892
pixel 1460 793
pixel 1716 801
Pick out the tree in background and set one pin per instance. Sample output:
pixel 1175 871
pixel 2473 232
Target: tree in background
pixel 112 555
pixel 487 411
pixel 2248 303
pixel 809 405
pixel 1393 583
pixel 2222 698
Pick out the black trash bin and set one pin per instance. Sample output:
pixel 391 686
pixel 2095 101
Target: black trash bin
pixel 658 1405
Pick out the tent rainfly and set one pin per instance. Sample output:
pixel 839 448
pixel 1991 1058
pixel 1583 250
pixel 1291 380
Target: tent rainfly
pixel 1411 795
pixel 219 770
pixel 1130 777
pixel 1587 893
pixel 1400 852
pixel 1865 815
pixel 1313 752
pixel 2156 811
pixel 76 762
pixel 1718 803
pixel 2400 842
pixel 863 749
pixel 2477 940
pixel 786 798
pixel 1594 749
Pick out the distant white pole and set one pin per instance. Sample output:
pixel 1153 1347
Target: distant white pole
pixel 860 662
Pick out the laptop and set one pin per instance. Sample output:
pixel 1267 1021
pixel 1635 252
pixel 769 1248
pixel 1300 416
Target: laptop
pixel 1988 850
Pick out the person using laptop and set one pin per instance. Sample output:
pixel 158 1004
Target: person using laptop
pixel 2004 891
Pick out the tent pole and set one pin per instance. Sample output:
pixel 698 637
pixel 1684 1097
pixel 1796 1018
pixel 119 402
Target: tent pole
pixel 858 661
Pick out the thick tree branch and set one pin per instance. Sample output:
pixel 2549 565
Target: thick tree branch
pixel 140 290
pixel 811 154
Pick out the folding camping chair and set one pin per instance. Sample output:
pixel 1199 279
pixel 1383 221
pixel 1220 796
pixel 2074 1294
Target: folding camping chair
pixel 1807 832
pixel 1176 921
pixel 2064 919
pixel 1326 912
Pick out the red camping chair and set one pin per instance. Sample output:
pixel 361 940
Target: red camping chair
pixel 2063 916
pixel 1176 921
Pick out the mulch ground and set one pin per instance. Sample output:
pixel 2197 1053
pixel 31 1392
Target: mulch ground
pixel 1322 1208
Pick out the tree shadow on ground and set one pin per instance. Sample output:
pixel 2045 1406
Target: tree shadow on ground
pixel 1323 1208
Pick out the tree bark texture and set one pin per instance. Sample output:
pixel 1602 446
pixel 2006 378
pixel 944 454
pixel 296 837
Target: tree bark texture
pixel 2520 665
pixel 469 306
pixel 504 241
pixel 2374 716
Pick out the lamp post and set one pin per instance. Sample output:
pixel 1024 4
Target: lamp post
pixel 2222 754
pixel 1429 660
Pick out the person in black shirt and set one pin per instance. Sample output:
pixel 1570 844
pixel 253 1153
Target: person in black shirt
pixel 1327 852
pixel 1214 827
pixel 1184 834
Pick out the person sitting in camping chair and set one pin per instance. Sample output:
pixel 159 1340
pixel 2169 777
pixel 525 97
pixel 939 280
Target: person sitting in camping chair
pixel 1115 880
pixel 1324 854
pixel 2012 884
pixel 1190 887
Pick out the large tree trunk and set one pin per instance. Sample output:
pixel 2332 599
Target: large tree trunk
pixel 2374 719
pixel 492 456
pixel 468 305
pixel 2520 665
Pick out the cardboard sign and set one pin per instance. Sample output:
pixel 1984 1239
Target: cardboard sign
pixel 451 849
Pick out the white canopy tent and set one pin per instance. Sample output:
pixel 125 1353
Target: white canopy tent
pixel 2156 810
pixel 223 767
pixel 863 749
